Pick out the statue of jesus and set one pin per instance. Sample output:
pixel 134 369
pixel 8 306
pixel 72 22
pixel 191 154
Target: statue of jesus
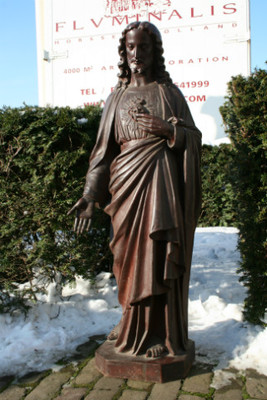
pixel 145 172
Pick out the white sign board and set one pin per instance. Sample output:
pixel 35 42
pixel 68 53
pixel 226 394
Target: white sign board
pixel 205 43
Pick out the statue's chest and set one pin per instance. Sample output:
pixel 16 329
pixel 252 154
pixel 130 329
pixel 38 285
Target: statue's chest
pixel 136 101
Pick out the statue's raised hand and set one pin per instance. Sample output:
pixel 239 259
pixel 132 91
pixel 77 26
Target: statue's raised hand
pixel 84 211
pixel 155 125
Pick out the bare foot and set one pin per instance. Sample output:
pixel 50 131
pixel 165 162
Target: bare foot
pixel 113 335
pixel 156 351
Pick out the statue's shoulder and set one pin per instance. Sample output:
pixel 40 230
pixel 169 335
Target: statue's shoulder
pixel 172 90
pixel 113 98
pixel 173 93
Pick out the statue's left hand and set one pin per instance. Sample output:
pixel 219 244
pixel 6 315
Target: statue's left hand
pixel 155 125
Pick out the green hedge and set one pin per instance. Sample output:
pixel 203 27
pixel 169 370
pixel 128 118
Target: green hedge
pixel 245 114
pixel 217 192
pixel 44 159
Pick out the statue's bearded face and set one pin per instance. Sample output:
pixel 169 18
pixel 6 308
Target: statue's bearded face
pixel 139 50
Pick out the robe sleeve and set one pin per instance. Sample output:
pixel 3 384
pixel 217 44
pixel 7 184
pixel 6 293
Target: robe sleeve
pixel 178 139
pixel 103 153
pixel 191 164
pixel 181 119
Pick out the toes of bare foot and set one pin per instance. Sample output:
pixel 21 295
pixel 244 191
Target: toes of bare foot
pixel 149 353
pixel 156 351
pixel 113 335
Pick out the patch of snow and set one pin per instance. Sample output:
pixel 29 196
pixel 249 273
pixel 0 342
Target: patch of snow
pixel 82 121
pixel 59 322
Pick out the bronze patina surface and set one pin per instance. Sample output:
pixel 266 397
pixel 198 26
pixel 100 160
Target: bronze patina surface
pixel 140 368
pixel 145 172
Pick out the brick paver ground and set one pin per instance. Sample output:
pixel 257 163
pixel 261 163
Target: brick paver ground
pixel 82 381
pixel 166 391
pixel 198 383
pixel 13 392
pixel 49 386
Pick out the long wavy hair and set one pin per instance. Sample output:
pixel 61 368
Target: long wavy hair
pixel 159 72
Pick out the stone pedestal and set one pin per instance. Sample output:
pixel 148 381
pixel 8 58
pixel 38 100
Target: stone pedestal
pixel 141 368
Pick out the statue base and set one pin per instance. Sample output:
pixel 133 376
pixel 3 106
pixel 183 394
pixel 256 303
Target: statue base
pixel 159 370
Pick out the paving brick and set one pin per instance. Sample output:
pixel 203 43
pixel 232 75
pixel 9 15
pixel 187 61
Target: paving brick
pixel 256 385
pixel 231 394
pixel 72 394
pixel 100 394
pixel 139 384
pixel 13 393
pixel 32 378
pixel 257 388
pixel 49 386
pixel 189 397
pixel 105 388
pixel 87 375
pixel 198 383
pixel 166 391
pixel 232 389
pixel 133 395
pixel 107 383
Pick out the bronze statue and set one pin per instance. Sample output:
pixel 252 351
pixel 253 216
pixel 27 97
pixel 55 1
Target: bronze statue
pixel 145 171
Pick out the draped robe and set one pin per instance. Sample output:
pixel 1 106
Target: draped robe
pixel 150 187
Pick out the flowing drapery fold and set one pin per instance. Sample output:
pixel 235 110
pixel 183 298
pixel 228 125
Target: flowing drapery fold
pixel 154 187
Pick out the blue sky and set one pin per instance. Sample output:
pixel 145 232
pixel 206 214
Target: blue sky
pixel 18 66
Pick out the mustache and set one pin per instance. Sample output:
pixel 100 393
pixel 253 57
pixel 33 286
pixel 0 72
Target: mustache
pixel 136 60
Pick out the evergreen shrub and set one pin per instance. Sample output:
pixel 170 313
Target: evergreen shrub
pixel 217 192
pixel 44 159
pixel 245 115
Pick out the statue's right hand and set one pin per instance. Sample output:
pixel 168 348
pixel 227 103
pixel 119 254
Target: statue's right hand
pixel 84 211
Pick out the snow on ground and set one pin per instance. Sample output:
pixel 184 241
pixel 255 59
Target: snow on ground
pixel 56 325
pixel 215 307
